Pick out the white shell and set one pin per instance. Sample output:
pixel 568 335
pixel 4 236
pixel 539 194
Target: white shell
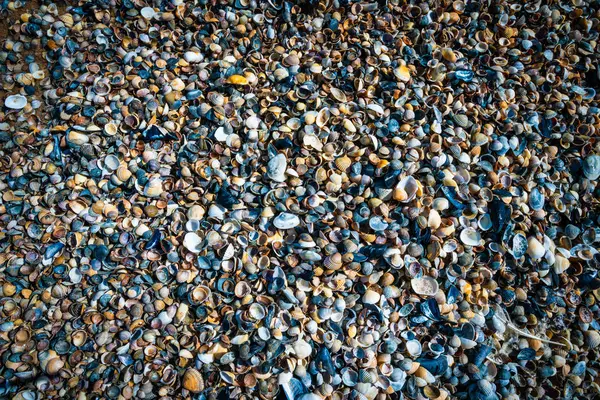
pixel 414 348
pixel 286 221
pixel 470 237
pixel 535 249
pixel 410 187
pixel 302 349
pixel 276 168
pixel 561 264
pixel 15 102
pixel 192 242
pixel 253 122
pixel 434 220
pixel 193 57
pixel 371 297
pixel 220 134
pixel 148 12
pixel 425 286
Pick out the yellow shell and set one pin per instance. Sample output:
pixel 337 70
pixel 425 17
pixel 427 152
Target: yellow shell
pixel 402 73
pixel 343 163
pixel 448 54
pixel 237 80
pixel 192 381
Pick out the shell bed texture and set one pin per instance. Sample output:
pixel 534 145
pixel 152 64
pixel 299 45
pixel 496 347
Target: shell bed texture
pixel 299 200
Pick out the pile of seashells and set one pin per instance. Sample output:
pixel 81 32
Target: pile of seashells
pixel 313 199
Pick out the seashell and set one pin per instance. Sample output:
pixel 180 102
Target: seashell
pixel 54 365
pixel 519 245
pixel 449 55
pixel 402 73
pixel 343 163
pixel 15 102
pixel 592 338
pixel 322 117
pixel 257 311
pixel 302 349
pixel 425 286
pixel 286 221
pixel 192 242
pixel 276 168
pixel 470 237
pixel 561 264
pixel 339 95
pixel 371 297
pixel 536 199
pixel 434 219
pixel 192 381
pixel 413 347
pixel 535 249
pixel 110 129
pixel 193 57
pixel 153 188
pixel 237 80
pixel 77 138
pixel 591 167
pixel 333 262
pixel 406 190
pixel 148 13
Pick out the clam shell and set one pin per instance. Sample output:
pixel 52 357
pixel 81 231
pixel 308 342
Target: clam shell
pixel 425 286
pixel 237 80
pixel 339 95
pixel 276 168
pixel 302 349
pixel 192 381
pixel 333 262
pixel 371 297
pixel 406 189
pixel 535 249
pixel 286 221
pixel 470 237
pixel 591 167
pixel 592 338
pixel 54 365
pixel 148 12
pixel 15 102
pixel 414 348
pixel 343 163
pixel 192 242
pixel 402 73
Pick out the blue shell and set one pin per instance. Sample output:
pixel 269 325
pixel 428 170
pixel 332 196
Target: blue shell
pixel 536 199
pixel 526 354
pixel 464 75
pixel 519 245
